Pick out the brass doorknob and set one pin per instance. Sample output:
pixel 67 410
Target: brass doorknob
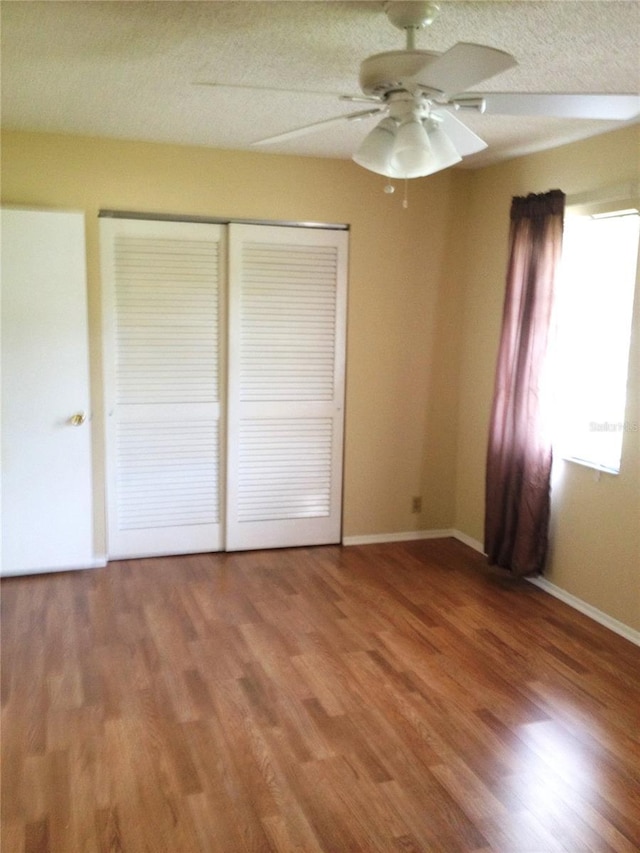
pixel 78 419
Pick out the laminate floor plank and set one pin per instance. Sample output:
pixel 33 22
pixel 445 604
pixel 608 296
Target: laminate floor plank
pixel 369 699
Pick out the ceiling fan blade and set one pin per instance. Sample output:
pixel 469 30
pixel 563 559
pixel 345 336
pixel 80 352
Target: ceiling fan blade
pixel 465 65
pixel 612 107
pixel 214 85
pixel 311 128
pixel 464 140
pixel 362 99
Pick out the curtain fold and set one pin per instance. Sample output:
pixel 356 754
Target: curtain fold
pixel 519 455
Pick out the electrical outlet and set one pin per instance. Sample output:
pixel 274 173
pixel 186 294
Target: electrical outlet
pixel 416 504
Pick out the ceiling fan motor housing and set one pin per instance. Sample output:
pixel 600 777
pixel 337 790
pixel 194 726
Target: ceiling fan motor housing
pixel 394 70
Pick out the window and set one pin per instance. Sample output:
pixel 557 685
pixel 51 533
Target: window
pixel 595 306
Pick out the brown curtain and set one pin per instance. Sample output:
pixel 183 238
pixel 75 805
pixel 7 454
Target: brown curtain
pixel 519 455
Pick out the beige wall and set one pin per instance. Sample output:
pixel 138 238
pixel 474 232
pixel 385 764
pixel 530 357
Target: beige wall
pixel 425 301
pixel 401 393
pixel 595 552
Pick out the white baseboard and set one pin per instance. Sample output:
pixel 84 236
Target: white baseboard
pixel 557 592
pixel 410 535
pixel 588 609
pixel 406 536
pixel 468 540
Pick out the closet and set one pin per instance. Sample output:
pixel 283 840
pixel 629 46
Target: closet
pixel 224 353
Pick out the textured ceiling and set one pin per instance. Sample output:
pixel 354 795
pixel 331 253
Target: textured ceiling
pixel 131 69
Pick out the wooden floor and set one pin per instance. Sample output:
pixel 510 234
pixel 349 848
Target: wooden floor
pixel 392 697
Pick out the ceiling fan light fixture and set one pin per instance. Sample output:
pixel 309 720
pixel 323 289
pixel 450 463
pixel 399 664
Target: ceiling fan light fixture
pixel 376 148
pixel 413 149
pixel 411 156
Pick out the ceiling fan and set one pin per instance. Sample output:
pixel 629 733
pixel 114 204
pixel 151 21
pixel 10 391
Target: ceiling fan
pixel 417 93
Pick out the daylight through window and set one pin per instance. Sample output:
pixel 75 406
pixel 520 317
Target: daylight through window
pixel 594 312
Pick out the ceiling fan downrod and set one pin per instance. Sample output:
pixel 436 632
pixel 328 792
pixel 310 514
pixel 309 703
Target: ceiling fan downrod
pixel 411 16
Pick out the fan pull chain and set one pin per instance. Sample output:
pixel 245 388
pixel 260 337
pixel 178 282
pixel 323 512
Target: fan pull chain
pixel 389 189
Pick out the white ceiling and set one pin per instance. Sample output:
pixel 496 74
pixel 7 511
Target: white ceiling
pixel 129 69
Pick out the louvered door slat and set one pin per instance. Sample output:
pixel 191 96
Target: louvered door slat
pixel 296 296
pixel 164 282
pixel 284 469
pixel 286 386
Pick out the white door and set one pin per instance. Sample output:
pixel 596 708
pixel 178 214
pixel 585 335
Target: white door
pixel 163 343
pixel 287 320
pixel 47 499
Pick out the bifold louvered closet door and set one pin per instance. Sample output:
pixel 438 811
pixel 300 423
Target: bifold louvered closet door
pixel 189 468
pixel 163 311
pixel 287 309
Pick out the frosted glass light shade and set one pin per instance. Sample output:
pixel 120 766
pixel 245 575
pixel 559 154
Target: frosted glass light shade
pixel 411 156
pixel 443 152
pixel 375 150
